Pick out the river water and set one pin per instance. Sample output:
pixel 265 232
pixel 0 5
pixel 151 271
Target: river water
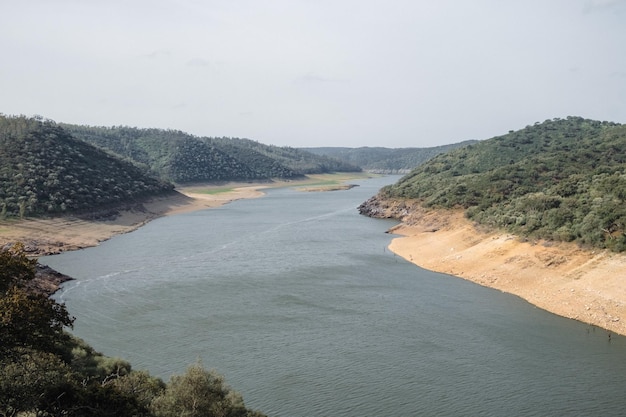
pixel 296 300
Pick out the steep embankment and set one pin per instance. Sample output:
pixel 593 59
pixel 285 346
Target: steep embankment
pixel 585 285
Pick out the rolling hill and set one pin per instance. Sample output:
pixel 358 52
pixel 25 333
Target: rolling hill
pixel 44 170
pixel 563 179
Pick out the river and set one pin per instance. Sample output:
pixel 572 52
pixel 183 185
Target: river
pixel 295 298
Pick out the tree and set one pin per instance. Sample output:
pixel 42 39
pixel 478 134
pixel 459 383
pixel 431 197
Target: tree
pixel 200 393
pixel 32 332
pixel 31 321
pixel 15 267
pixel 29 378
pixel 141 386
pixel 27 319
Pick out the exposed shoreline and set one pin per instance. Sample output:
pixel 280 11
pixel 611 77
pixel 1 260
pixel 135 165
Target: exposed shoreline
pixel 51 235
pixel 584 285
pixel 46 236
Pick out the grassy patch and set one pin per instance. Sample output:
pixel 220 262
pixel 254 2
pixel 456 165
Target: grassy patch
pixel 319 183
pixel 330 182
pixel 311 180
pixel 214 191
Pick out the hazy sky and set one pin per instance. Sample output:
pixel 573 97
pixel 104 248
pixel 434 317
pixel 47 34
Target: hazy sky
pixel 392 73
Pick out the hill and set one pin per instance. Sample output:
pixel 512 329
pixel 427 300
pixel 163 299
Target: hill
pixel 179 157
pixel 563 180
pixel 386 160
pixel 298 160
pixel 44 170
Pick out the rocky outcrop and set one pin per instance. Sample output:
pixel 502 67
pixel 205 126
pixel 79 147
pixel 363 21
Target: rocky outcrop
pixel 380 208
pixel 47 281
pixel 408 212
pixel 384 208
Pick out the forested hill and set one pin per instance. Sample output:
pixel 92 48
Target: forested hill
pixel 44 170
pixel 563 179
pixel 182 158
pixel 386 160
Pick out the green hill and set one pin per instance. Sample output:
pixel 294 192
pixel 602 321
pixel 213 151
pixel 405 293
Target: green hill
pixel 563 179
pixel 386 160
pixel 44 170
pixel 182 158
pixel 298 160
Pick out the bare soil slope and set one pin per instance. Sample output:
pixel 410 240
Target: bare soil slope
pixel 589 286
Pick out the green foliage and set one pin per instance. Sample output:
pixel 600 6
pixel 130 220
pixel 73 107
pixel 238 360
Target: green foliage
pixel 182 158
pixel 141 386
pixel 386 160
pixel 28 379
pixel 563 179
pixel 91 364
pixel 44 170
pixel 17 268
pixel 200 393
pixel 40 383
pixel 31 321
pixel 27 320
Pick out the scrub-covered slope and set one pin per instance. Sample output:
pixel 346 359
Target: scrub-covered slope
pixel 563 179
pixel 44 170
pixel 183 158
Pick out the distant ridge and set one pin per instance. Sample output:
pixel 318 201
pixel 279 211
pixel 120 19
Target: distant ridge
pixel 563 180
pixel 386 160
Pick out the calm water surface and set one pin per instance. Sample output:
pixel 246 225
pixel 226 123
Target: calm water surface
pixel 296 300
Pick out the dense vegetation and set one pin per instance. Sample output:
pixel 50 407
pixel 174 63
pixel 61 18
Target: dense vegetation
pixel 563 179
pixel 386 160
pixel 46 372
pixel 44 170
pixel 182 158
pixel 299 161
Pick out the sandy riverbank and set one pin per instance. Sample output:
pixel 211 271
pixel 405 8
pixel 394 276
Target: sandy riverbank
pixel 58 234
pixel 589 286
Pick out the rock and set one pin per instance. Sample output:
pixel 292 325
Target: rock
pixel 47 281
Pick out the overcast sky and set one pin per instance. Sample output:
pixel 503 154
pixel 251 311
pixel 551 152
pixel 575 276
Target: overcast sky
pixel 393 73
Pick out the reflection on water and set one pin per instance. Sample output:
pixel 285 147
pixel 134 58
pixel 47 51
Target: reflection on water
pixel 295 298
